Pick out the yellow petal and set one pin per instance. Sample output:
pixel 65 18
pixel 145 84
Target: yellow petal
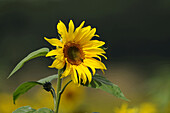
pixel 67 70
pixel 89 51
pixel 54 52
pixel 88 73
pixel 84 78
pixel 82 33
pixel 71 27
pixel 58 63
pixel 91 62
pixel 91 34
pixel 81 74
pixel 62 30
pixel 92 68
pixel 94 56
pixel 54 42
pixel 93 44
pixel 88 36
pixel 103 56
pixel 74 75
pixel 86 29
pixel 96 35
pixel 78 28
pixel 70 32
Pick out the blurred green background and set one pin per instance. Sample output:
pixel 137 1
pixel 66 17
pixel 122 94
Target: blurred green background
pixel 136 33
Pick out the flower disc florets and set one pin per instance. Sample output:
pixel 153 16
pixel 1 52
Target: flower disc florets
pixel 74 53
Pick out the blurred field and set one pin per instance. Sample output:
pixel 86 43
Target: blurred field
pixel 136 34
pixel 131 79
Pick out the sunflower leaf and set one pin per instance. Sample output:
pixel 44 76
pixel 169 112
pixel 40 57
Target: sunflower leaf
pixel 43 110
pixel 23 88
pixel 26 86
pixel 102 83
pixel 34 54
pixel 28 109
pixel 24 109
pixel 48 79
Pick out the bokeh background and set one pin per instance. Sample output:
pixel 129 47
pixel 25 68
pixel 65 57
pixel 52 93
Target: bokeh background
pixel 136 34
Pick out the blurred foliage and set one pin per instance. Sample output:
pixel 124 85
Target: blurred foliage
pixel 158 87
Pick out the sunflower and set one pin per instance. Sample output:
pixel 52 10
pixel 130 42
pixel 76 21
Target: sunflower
pixel 76 51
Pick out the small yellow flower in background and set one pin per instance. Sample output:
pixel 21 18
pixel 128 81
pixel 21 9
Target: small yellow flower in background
pixel 143 108
pixel 77 51
pixel 6 104
pixel 147 108
pixel 124 109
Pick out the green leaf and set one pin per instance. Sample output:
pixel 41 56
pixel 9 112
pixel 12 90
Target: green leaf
pixel 26 86
pixel 35 54
pixel 100 82
pixel 28 109
pixel 23 88
pixel 48 79
pixel 24 109
pixel 44 110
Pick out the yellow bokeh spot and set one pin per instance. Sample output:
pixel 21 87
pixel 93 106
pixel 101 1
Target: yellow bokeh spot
pixel 143 108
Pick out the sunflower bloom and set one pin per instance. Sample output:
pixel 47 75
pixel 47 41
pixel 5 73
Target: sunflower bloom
pixel 76 51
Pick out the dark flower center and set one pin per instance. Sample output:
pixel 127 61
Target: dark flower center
pixel 74 54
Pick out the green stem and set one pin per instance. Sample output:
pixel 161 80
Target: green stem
pixel 54 98
pixel 58 91
pixel 65 87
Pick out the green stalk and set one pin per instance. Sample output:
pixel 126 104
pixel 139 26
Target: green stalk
pixel 65 87
pixel 54 97
pixel 58 91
